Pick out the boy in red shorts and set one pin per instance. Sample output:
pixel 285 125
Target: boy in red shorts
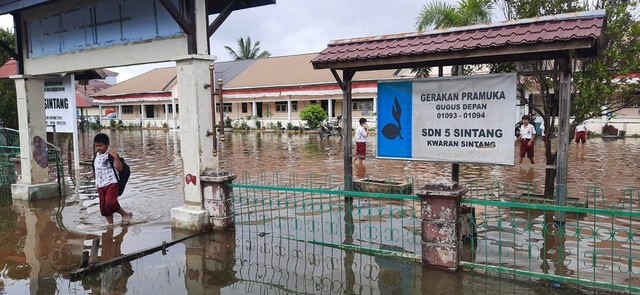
pixel 362 132
pixel 581 137
pixel 105 161
pixel 527 139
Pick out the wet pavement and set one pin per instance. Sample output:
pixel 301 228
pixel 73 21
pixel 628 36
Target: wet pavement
pixel 42 241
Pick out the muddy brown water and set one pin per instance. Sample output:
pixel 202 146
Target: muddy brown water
pixel 42 241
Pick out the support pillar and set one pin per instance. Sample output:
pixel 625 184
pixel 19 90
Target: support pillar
pixel 173 113
pixel 289 109
pixel 440 228
pixel 330 107
pixel 197 148
pixel 34 164
pixel 217 197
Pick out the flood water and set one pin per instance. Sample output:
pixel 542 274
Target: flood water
pixel 42 241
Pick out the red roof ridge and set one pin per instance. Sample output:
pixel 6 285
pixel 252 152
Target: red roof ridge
pixel 519 22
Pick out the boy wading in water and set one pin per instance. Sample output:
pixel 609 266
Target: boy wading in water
pixel 527 139
pixel 362 132
pixel 106 180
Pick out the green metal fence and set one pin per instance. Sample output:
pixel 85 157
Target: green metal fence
pixel 10 153
pixel 519 233
pixel 318 210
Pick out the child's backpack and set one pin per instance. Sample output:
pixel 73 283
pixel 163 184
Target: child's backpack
pixel 123 176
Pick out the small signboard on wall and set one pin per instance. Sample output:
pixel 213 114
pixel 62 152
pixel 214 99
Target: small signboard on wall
pixel 462 119
pixel 60 104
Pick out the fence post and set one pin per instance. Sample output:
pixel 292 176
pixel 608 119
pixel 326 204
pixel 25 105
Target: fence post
pixel 217 197
pixel 440 228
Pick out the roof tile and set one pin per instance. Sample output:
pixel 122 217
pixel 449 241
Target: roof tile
pixel 518 33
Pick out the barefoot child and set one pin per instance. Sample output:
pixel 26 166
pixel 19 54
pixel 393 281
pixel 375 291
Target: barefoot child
pixel 362 132
pixel 104 163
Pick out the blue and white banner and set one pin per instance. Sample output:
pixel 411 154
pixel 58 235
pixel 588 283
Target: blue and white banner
pixel 463 119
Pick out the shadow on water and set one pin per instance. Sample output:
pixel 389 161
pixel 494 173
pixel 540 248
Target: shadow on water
pixel 41 241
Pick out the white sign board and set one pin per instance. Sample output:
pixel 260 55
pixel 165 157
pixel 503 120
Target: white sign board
pixel 463 119
pixel 60 104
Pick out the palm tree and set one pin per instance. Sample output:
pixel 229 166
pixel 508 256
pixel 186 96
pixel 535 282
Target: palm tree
pixel 441 15
pixel 246 50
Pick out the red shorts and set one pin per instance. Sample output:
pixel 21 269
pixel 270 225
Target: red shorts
pixel 525 149
pixel 361 149
pixel 108 197
pixel 581 136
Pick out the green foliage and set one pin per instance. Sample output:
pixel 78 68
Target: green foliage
pixel 442 15
pixel 8 106
pixel 289 126
pixel 227 122
pixel 165 125
pixel 313 114
pixel 279 125
pixel 246 50
pixel 258 124
pixel 112 123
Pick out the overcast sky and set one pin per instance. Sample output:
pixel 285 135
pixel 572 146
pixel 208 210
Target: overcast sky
pixel 303 26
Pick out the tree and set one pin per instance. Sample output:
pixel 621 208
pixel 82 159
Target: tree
pixel 441 15
pixel 599 82
pixel 313 114
pixel 246 50
pixel 8 104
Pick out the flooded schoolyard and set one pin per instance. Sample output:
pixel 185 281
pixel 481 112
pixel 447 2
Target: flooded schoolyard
pixel 43 241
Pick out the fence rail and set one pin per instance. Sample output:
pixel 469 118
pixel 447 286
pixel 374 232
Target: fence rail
pixel 519 234
pixel 318 210
pixel 9 157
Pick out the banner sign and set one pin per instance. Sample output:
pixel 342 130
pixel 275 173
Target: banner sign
pixel 461 119
pixel 60 104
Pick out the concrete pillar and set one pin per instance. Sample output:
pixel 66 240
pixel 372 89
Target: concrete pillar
pixel 100 114
pixel 330 107
pixel 217 197
pixel 375 104
pixel 173 113
pixel 197 147
pixel 254 108
pixel 440 228
pixel 34 164
pixel 142 115
pixel 120 111
pixel 289 110
pixel 166 113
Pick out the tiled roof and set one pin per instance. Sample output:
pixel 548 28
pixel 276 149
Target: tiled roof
pixel 154 81
pixel 566 27
pixel 293 70
pixel 10 68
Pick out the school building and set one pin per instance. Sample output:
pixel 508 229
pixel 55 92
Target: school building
pixel 268 90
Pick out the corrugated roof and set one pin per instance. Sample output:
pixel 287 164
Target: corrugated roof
pixel 566 27
pixel 153 81
pixel 228 70
pixel 293 70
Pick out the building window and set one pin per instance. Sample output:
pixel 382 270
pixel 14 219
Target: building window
pixel 281 107
pixel 127 109
pixel 244 107
pixel 364 106
pixel 227 108
pixel 294 106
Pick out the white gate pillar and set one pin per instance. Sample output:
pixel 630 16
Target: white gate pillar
pixel 197 147
pixel 34 163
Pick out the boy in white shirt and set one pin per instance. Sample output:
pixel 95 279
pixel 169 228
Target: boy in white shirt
pixel 104 163
pixel 362 132
pixel 527 139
